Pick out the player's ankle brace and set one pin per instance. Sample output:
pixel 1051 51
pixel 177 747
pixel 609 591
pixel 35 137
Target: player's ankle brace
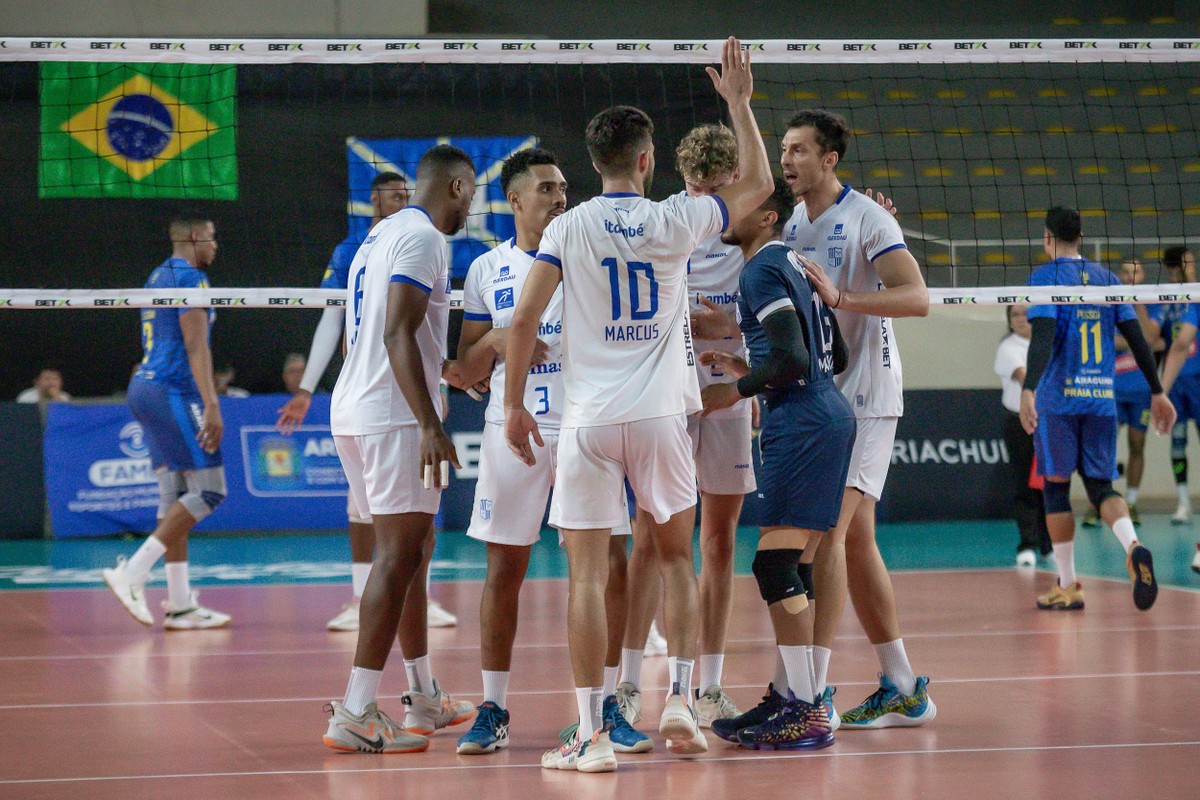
pixel 1057 497
pixel 778 578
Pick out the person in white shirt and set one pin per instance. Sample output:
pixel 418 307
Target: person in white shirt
pixel 47 388
pixel 1028 511
pixel 856 258
pixel 630 380
pixel 386 423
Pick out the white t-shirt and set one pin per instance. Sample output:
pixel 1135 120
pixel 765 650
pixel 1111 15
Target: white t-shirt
pixel 1012 354
pixel 31 395
pixel 713 271
pixel 626 341
pixel 490 294
pixel 406 248
pixel 846 240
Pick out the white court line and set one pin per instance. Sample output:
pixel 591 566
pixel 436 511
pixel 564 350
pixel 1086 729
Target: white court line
pixel 544 692
pixel 635 761
pixel 551 645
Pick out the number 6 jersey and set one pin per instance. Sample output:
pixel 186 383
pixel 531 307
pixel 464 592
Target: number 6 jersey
pixel 626 339
pixel 1079 377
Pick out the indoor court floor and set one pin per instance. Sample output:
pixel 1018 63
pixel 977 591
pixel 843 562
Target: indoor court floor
pixel 1094 704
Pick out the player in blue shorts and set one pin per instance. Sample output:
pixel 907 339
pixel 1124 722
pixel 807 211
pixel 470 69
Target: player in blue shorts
pixel 1067 404
pixel 173 395
pixel 808 433
pixel 1132 394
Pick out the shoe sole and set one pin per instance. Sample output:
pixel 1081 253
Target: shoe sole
pixel 1145 587
pixel 644 746
pixel 605 762
pixel 117 594
pixel 682 738
pixel 334 744
pixel 804 744
pixel 474 749
pixel 342 628
pixel 169 627
pixel 430 731
pixel 894 720
pixel 1076 606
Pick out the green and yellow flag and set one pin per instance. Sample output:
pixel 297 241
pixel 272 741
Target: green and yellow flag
pixel 138 130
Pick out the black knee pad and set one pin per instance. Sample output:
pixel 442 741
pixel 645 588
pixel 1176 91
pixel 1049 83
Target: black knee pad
pixel 1098 491
pixel 1057 497
pixel 775 571
pixel 805 572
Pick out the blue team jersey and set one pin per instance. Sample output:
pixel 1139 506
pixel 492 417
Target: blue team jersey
pixel 1079 377
pixel 337 274
pixel 165 357
pixel 773 279
pixel 1170 316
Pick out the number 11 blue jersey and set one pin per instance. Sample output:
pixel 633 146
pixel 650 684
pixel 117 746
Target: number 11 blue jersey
pixel 1079 377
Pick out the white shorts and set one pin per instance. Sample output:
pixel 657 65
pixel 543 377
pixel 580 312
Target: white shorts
pixel 722 450
pixel 655 454
pixel 352 512
pixel 384 472
pixel 872 455
pixel 510 497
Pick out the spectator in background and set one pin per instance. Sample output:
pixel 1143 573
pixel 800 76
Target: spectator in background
pixel 1179 266
pixel 293 372
pixel 224 377
pixel 1028 510
pixel 47 388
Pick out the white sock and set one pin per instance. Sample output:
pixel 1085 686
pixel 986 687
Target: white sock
pixel 610 680
pixel 821 666
pixel 1125 532
pixel 893 663
pixel 141 562
pixel 795 661
pixel 711 667
pixel 179 588
pixel 1064 556
pixel 631 666
pixel 780 682
pixel 812 672
pixel 495 687
pixel 420 675
pixel 679 672
pixel 359 572
pixel 1181 491
pixel 583 700
pixel 1131 493
pixel 362 689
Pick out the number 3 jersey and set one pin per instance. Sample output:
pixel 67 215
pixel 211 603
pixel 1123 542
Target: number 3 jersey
pixel 1079 377
pixel 490 294
pixel 626 340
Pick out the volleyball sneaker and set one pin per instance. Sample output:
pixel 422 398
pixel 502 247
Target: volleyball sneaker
pixel 679 726
pixel 594 755
pixel 1140 564
pixel 425 714
pixel 629 699
pixel 835 719
pixel 193 617
pixel 888 708
pixel 796 726
pixel 1062 599
pixel 488 733
pixel 713 704
pixel 436 616
pixel 1183 514
pixel 131 593
pixel 346 619
pixel 624 737
pixel 372 731
pixel 728 729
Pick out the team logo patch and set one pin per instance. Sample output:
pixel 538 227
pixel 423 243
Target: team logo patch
pixel 485 509
pixel 504 298
pixel 835 257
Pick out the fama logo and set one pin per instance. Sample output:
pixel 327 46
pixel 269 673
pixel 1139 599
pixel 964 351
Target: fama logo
pixel 1024 45
pixel 107 45
pixel 402 46
pixel 1134 46
pixel 858 46
pixel 283 46
pixel 802 47
pixel 915 46
pixel 970 46
pixel 632 46
pixel 688 46
pixel 518 46
pixel 1079 45
pixel 167 46
pixel 225 47
pixel 576 46
pixel 460 45
pixel 342 48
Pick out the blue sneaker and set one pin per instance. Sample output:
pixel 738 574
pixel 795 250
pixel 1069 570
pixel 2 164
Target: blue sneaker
pixel 488 734
pixel 835 721
pixel 625 738
pixel 796 726
pixel 888 708
pixel 728 729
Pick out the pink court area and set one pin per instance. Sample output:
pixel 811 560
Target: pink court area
pixel 1103 703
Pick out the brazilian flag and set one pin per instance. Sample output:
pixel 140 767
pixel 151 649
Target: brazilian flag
pixel 138 131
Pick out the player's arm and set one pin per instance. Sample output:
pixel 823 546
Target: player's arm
pixel 326 339
pixel 193 324
pixel 904 293
pixel 1161 410
pixel 406 306
pixel 476 353
pixel 1041 343
pixel 1177 355
pixel 544 278
pixel 735 83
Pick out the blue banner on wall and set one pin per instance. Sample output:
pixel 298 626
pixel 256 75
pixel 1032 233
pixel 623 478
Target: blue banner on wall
pixel 491 219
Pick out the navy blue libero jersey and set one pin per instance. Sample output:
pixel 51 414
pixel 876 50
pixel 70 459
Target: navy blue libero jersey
pixel 773 279
pixel 165 357
pixel 1079 377
pixel 337 274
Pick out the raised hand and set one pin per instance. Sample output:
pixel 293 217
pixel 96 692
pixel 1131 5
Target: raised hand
pixel 734 82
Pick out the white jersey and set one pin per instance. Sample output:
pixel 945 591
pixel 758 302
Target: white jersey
pixel 713 271
pixel 490 294
pixel 846 240
pixel 626 342
pixel 406 248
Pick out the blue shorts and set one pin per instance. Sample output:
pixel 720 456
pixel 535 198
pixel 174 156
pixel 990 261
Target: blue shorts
pixel 1134 410
pixel 806 441
pixel 1083 443
pixel 1185 396
pixel 170 419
